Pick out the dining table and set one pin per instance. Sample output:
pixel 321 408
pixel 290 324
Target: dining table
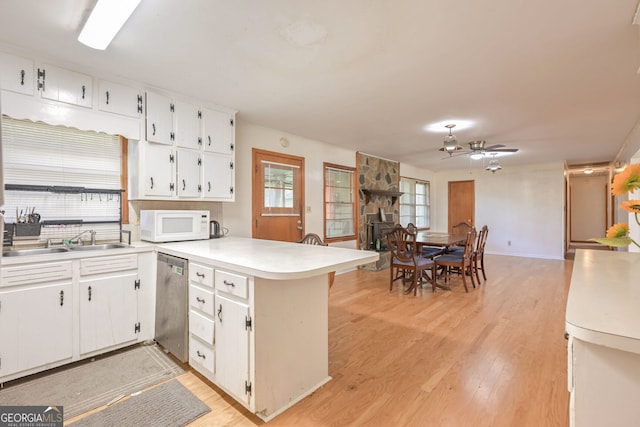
pixel 440 239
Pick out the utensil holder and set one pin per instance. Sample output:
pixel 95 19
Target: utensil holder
pixel 28 229
pixel 7 237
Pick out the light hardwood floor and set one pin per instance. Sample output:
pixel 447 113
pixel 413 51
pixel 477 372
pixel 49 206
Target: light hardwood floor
pixel 493 357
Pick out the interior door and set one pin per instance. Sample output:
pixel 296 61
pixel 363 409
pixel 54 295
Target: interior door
pixel 278 196
pixel 461 202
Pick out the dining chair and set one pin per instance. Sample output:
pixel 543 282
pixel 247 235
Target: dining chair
pixel 478 253
pixel 460 228
pixel 462 262
pixel 403 248
pixel 314 239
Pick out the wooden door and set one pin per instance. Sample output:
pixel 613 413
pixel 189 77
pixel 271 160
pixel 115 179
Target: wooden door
pixel 278 196
pixel 461 202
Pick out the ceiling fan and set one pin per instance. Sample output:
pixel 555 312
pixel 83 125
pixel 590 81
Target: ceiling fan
pixel 477 149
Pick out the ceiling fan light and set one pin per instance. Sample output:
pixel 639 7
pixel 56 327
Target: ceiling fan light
pixel 476 155
pixel 493 166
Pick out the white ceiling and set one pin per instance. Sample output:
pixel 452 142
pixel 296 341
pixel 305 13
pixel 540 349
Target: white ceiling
pixel 556 79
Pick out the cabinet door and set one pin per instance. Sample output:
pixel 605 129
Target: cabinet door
pixel 158 165
pixel 189 165
pixel 119 99
pixel 218 131
pixel 218 176
pixel 187 125
pixel 232 347
pixel 35 327
pixel 16 74
pixel 67 86
pixel 159 124
pixel 108 311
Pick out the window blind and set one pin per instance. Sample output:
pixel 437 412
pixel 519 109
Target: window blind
pixel 40 154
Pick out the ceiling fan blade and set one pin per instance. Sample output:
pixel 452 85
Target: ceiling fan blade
pixel 502 150
pixel 494 147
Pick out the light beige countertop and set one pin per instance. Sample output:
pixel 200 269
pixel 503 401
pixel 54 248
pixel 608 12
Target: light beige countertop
pixel 269 259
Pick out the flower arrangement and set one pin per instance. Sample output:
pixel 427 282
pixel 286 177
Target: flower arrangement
pixel 626 181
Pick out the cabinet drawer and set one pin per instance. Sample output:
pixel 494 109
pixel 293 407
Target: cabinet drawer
pixel 108 264
pixel 232 283
pixel 200 355
pixel 201 327
pixel 36 273
pixel 201 299
pixel 201 274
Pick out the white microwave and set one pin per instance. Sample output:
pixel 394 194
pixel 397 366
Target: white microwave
pixel 173 225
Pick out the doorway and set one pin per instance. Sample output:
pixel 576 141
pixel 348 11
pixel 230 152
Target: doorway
pixel 589 209
pixel 462 203
pixel 278 196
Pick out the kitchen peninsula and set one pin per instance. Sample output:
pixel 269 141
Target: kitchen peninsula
pixel 603 328
pixel 258 316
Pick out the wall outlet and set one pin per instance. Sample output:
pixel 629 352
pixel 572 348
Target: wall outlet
pixel 308 209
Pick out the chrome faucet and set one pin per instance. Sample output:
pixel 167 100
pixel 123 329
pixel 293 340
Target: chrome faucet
pixel 79 240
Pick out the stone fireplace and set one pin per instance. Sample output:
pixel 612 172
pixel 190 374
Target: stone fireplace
pixel 379 183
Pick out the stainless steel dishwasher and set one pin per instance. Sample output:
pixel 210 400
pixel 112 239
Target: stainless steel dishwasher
pixel 172 326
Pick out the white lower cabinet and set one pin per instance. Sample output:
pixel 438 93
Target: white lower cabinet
pixel 232 348
pixel 201 320
pixel 36 315
pixel 53 313
pixel 35 327
pixel 108 302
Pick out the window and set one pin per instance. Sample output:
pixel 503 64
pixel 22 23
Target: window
pixel 414 203
pixel 38 154
pixel 339 204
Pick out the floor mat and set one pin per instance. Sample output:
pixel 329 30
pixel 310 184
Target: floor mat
pixel 86 386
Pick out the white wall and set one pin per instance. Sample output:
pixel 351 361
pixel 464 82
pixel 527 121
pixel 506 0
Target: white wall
pixel 237 215
pixel 523 205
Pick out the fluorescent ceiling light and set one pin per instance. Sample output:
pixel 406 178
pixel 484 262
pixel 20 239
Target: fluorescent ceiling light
pixel 105 21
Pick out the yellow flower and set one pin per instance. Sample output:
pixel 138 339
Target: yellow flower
pixel 631 206
pixel 627 180
pixel 618 230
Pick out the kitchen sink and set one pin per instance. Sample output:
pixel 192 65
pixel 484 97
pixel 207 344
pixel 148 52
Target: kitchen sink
pixel 99 247
pixel 36 251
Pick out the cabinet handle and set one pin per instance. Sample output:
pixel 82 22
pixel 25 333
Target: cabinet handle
pixel 61 298
pixel 233 285
pixel 200 300
pixel 107 94
pixel 21 77
pixel 209 137
pixel 83 90
pixel 200 354
pixel 220 313
pixel 153 126
pixel 89 289
pixel 151 182
pixel 184 185
pixel 201 275
pixel 209 184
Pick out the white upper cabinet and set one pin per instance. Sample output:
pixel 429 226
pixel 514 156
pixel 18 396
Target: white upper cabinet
pixel 189 165
pixel 187 125
pixel 16 74
pixel 159 124
pixel 218 172
pixel 218 131
pixel 63 85
pixel 119 99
